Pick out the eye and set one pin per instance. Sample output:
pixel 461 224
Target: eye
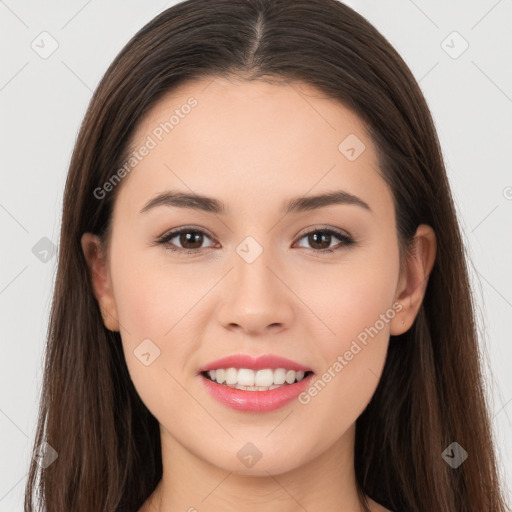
pixel 320 239
pixel 191 240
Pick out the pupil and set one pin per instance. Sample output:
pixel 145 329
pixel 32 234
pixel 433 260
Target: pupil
pixel 189 238
pixel 315 236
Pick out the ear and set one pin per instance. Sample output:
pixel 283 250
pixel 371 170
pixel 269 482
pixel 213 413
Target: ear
pixel 413 281
pixel 100 279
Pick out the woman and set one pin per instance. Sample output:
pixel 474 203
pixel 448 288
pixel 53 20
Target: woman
pixel 262 296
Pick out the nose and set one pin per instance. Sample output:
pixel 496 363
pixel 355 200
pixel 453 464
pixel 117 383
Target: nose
pixel 256 299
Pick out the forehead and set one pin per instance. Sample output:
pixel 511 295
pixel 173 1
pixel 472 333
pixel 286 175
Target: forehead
pixel 253 141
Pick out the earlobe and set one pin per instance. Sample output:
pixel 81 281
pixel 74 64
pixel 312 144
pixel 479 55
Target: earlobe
pixel 413 283
pixel 100 280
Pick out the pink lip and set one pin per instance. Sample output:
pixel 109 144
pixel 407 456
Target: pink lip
pixel 254 363
pixel 255 401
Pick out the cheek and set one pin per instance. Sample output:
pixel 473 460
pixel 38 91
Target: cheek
pixel 153 296
pixel 352 295
pixel 358 309
pixel 152 313
pixel 155 303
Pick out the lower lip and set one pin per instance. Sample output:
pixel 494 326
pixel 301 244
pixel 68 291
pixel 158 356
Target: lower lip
pixel 255 401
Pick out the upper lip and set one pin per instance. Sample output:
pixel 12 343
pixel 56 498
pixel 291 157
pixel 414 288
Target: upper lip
pixel 254 363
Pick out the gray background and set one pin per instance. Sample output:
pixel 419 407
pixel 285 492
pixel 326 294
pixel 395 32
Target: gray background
pixel 43 100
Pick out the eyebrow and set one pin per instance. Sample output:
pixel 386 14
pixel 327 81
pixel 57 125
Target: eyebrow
pixel 211 205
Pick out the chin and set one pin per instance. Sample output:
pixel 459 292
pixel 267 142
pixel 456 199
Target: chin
pixel 250 461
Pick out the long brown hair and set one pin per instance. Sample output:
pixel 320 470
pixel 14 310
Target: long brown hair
pixel 431 391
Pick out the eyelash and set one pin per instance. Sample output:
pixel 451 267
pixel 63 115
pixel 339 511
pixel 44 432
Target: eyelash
pixel 165 239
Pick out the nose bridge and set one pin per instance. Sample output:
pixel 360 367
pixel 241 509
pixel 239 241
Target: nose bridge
pixel 253 278
pixel 256 297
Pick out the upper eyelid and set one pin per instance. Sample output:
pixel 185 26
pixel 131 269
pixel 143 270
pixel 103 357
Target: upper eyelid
pixel 174 232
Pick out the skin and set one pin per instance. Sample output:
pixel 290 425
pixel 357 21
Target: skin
pixel 254 145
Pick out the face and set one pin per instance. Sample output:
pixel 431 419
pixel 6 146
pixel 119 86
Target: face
pixel 315 282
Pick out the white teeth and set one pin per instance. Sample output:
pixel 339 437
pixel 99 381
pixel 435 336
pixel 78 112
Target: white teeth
pixel 264 378
pixel 290 376
pixel 255 388
pixel 251 380
pixel 279 376
pixel 220 375
pixel 245 377
pixel 231 376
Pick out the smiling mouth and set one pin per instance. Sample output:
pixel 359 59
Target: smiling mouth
pixel 249 380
